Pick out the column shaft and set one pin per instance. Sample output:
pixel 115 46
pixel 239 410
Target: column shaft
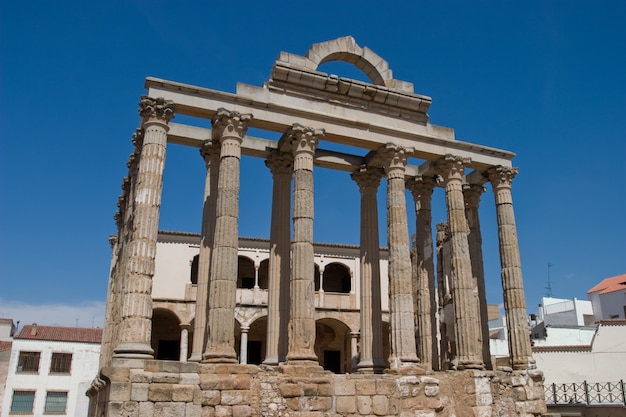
pixel 281 166
pixel 211 156
pixel 371 358
pixel 422 189
pixel 229 127
pixel 467 325
pixel 512 282
pixel 302 319
pixel 136 315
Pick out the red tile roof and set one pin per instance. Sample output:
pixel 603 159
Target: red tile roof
pixel 60 334
pixel 612 284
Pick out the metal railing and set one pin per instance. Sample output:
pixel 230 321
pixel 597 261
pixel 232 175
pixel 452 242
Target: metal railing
pixel 586 393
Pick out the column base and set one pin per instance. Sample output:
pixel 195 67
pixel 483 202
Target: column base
pixel 195 357
pixel 133 351
pixel 220 356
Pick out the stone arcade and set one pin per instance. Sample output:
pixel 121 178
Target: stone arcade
pixel 405 369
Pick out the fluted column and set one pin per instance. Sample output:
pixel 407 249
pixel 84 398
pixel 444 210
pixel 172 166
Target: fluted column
pixel 501 179
pixel 471 196
pixel 229 127
pixel 371 358
pixel 210 152
pixel 467 324
pixel 422 190
pixel 403 351
pixel 281 167
pixel 302 321
pixel 136 323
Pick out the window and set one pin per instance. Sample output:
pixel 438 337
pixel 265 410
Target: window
pixel 28 362
pixel 22 401
pixel 61 363
pixel 55 402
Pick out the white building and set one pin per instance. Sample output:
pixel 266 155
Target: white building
pixel 609 298
pixel 50 369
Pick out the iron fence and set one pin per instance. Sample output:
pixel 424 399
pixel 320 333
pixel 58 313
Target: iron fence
pixel 586 393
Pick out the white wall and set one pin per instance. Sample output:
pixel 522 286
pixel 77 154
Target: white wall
pixel 85 357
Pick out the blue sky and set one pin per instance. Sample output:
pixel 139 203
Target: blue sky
pixel 544 79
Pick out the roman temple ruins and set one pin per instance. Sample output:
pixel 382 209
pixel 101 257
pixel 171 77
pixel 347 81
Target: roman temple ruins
pixel 214 324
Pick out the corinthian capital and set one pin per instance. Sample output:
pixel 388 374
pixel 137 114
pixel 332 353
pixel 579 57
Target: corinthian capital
pixel 156 108
pixel 230 124
pixel 209 150
pixel 421 186
pixel 393 159
pixel 279 163
pixel 501 177
pixel 472 193
pixel 452 167
pixel 304 138
pixel 367 177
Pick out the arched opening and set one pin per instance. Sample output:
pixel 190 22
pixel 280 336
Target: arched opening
pixel 255 352
pixel 194 269
pixel 332 345
pixel 337 278
pixel 165 335
pixel 245 272
pixel 264 274
pixel 317 277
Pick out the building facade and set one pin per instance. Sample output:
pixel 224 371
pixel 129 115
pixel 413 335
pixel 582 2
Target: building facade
pixel 50 370
pixel 389 123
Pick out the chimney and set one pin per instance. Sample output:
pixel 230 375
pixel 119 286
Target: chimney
pixel 33 329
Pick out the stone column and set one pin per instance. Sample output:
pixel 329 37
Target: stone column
pixel 422 190
pixel 281 167
pixel 229 128
pixel 302 321
pixel 243 345
pixel 403 351
pixel 354 350
pixel 184 342
pixel 444 296
pixel 471 196
pixel 136 323
pixel 371 357
pixel 210 152
pixel 466 321
pixel 512 283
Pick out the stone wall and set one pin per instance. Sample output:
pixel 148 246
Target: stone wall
pixel 150 388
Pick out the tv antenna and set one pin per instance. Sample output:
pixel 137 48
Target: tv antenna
pixel 548 286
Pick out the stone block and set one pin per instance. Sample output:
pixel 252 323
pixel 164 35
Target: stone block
pixel 386 386
pixel 364 404
pixel 537 407
pixel 325 389
pixel 233 397
pixel 380 405
pixel 123 409
pixel 193 410
pixel 293 403
pixel 211 397
pixel 242 411
pixel 116 374
pixel 431 390
pixel 160 392
pixel 168 409
pixel 320 403
pixel 208 411
pixel 183 393
pixel 345 404
pixel 519 394
pixel 139 392
pixel 417 413
pixel 345 387
pixel 189 379
pixel 535 393
pixel 120 391
pixel 309 389
pixel 225 382
pixel 139 375
pixel 165 378
pixel 288 390
pixel 146 409
pixel 223 411
pixel 365 387
pixel 482 411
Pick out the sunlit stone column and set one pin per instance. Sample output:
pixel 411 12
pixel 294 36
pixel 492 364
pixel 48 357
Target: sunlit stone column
pixel 243 345
pixel 512 283
pixel 422 190
pixel 471 196
pixel 354 351
pixel 229 127
pixel 184 342
pixel 403 351
pixel 302 321
pixel 281 167
pixel 371 358
pixel 210 152
pixel 467 324
pixel 136 323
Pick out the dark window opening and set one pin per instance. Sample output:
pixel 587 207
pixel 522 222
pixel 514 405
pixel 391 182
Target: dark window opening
pixel 56 402
pixel 61 363
pixel 194 269
pixel 28 362
pixel 254 352
pixel 332 361
pixel 22 401
pixel 168 350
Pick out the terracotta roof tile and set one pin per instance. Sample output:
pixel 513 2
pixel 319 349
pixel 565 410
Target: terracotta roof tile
pixel 60 334
pixel 612 284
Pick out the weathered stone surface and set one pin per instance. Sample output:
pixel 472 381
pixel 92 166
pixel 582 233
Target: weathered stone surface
pixel 139 392
pixel 346 404
pixel 160 392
